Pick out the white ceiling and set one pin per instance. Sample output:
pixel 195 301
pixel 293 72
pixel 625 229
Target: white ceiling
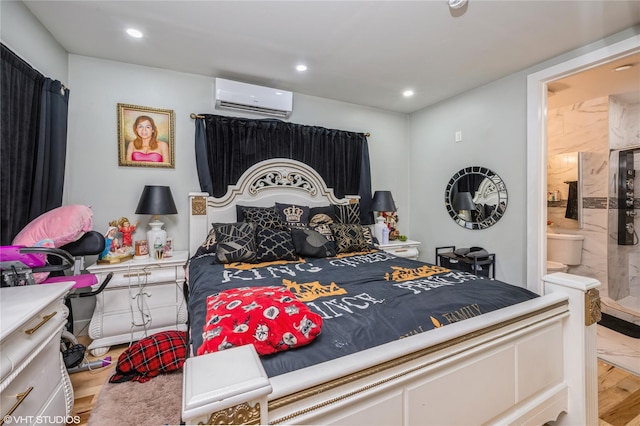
pixel 362 52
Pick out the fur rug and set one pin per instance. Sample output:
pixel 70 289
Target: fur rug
pixel 157 402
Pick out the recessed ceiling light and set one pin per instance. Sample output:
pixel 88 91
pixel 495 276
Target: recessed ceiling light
pixel 623 67
pixel 407 93
pixel 134 33
pixel 301 67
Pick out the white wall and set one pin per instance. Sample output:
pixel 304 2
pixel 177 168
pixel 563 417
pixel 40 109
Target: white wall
pixel 26 37
pixel 492 119
pixel 94 177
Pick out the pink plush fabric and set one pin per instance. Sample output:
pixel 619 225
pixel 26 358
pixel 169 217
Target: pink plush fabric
pixel 62 225
pixel 55 228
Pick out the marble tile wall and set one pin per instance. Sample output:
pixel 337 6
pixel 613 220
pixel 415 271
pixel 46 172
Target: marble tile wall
pixel 583 127
pixel 624 124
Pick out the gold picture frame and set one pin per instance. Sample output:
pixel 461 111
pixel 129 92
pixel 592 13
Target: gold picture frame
pixel 145 136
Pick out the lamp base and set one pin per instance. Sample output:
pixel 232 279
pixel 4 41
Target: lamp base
pixel 378 227
pixel 156 235
pixel 465 215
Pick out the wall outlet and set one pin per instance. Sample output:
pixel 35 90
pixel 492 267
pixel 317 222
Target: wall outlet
pixel 458 135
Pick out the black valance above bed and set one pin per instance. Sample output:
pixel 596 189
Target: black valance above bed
pixel 227 146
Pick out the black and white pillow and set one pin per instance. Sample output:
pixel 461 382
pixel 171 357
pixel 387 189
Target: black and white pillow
pixel 349 238
pixel 274 244
pixel 320 219
pixel 329 210
pixel 295 216
pixel 368 236
pixel 208 246
pixel 236 242
pixel 310 243
pixel 264 217
pixel 347 213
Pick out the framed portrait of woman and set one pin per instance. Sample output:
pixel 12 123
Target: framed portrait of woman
pixel 145 136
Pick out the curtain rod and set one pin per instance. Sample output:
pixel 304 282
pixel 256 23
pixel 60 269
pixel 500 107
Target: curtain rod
pixel 193 116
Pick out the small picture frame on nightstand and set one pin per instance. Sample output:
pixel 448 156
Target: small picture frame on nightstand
pixel 168 247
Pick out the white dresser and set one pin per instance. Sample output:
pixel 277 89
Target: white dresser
pixel 143 297
pixel 35 386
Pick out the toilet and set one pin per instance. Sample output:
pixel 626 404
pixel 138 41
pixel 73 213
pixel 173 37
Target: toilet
pixel 563 250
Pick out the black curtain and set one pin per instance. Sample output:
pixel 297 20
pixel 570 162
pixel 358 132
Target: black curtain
pixel 227 146
pixel 51 149
pixel 33 136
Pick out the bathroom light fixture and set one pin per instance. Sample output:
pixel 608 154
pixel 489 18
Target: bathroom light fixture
pixel 623 67
pixel 407 93
pixel 134 33
pixel 301 67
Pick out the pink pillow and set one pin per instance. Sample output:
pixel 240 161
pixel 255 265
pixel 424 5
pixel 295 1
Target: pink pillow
pixel 62 225
pixel 55 228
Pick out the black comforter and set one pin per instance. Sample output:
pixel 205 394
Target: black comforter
pixel 365 300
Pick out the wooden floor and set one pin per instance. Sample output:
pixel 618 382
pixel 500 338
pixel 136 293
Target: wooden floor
pixel 618 392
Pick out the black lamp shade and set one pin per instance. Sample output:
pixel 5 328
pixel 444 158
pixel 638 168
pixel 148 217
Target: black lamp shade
pixel 463 201
pixel 383 202
pixel 156 200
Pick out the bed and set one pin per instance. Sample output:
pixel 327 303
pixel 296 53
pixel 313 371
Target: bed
pixel 402 341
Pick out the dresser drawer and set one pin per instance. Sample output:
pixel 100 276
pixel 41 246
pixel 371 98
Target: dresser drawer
pixel 409 252
pixel 164 316
pixel 40 379
pixel 139 297
pixel 150 275
pixel 23 342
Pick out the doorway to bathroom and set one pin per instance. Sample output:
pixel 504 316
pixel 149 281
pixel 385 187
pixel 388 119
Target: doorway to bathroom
pixel 615 119
pixel 591 193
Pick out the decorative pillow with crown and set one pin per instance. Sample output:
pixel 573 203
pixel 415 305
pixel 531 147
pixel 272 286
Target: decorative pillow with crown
pixel 294 216
pixel 320 218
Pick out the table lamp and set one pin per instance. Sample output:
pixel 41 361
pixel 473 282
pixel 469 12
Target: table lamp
pixel 156 200
pixel 463 204
pixel 382 202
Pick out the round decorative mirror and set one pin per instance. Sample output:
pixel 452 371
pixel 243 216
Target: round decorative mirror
pixel 476 197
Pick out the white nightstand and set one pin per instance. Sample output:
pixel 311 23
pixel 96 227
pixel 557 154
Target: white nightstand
pixel 408 249
pixel 143 297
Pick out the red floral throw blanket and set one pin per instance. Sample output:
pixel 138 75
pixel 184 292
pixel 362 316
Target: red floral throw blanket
pixel 270 318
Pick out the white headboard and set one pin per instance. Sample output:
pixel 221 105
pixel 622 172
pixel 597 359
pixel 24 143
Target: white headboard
pixel 279 180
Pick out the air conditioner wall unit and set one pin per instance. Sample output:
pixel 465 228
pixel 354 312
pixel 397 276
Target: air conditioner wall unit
pixel 239 96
